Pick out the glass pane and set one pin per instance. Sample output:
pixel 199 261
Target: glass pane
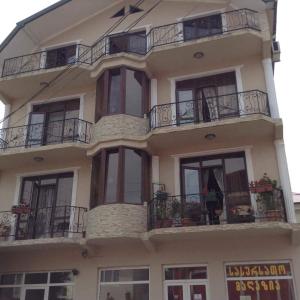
pixel 185 106
pixel 54 127
pixel 60 292
pixel 124 291
pixel 36 129
pixel 212 162
pixel 134 93
pixel 236 176
pixel 175 292
pixel 125 275
pixel 36 278
pixel 11 279
pixel 198 292
pixel 133 177
pixel 115 91
pixel 137 43
pixel 64 191
pixel 35 294
pixel 10 293
pixel 261 289
pixel 191 185
pixel 186 273
pixel 112 177
pixel 61 277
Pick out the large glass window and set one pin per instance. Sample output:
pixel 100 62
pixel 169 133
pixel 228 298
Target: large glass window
pixel 207 99
pixel 29 286
pixel 260 281
pixel 124 284
pixel 131 42
pixel 52 123
pixel 61 56
pixel 202 27
pixel 120 175
pixel 49 198
pixel 122 91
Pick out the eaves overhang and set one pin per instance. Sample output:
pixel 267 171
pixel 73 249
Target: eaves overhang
pixel 30 19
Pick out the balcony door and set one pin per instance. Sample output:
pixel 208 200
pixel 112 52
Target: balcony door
pixel 53 123
pixel 206 99
pixel 219 185
pixel 49 198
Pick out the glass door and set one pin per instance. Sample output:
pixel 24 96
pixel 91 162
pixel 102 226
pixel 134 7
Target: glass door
pixel 186 107
pixel 207 98
pixel 187 290
pixel 54 129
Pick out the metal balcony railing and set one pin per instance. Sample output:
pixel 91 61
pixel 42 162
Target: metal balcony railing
pixel 48 222
pixel 140 44
pixel 198 209
pixel 209 109
pixel 56 132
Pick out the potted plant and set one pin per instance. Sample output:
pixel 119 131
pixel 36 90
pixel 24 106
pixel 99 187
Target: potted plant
pixel 265 184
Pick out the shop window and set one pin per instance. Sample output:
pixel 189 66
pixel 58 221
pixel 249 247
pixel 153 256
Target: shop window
pixel 249 281
pixel 127 284
pixel 122 91
pixel 120 175
pixel 39 286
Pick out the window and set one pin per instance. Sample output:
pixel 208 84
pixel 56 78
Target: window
pixel 49 198
pixel 61 56
pixel 251 281
pixel 122 91
pixel 132 10
pixel 186 283
pixel 120 175
pixel 124 284
pixel 53 123
pixel 28 286
pixel 202 27
pixel 128 42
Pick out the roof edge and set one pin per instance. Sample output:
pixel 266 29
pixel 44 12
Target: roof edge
pixel 26 21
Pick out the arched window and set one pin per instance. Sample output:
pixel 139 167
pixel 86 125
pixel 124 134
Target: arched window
pixel 120 175
pixel 122 91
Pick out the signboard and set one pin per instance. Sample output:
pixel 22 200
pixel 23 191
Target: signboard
pixel 247 281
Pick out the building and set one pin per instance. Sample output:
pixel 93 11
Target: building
pixel 139 154
pixel 297 206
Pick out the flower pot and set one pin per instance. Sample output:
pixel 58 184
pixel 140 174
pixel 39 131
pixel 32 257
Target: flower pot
pixel 274 215
pixel 19 210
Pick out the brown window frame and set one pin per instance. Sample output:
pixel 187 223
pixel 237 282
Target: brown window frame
pixel 102 93
pixel 99 175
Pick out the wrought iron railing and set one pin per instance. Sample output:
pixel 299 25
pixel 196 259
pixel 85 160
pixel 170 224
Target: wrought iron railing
pixel 48 222
pixel 69 130
pixel 209 109
pixel 55 132
pixel 157 36
pixel 38 61
pixel 198 209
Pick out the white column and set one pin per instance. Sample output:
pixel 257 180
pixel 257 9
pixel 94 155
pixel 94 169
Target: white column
pixel 285 180
pixel 269 77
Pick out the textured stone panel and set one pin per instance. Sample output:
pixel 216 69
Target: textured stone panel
pixel 116 220
pixel 120 127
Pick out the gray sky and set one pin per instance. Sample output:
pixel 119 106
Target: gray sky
pixel 286 74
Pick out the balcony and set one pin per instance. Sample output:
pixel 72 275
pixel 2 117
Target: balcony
pixel 138 43
pixel 166 211
pixel 41 134
pixel 210 109
pixel 49 222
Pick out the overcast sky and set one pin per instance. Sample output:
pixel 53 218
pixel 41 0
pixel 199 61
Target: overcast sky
pixel 286 75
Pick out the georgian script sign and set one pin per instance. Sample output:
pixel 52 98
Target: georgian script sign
pixel 269 279
pixel 258 270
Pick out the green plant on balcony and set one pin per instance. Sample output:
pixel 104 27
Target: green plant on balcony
pixel 265 184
